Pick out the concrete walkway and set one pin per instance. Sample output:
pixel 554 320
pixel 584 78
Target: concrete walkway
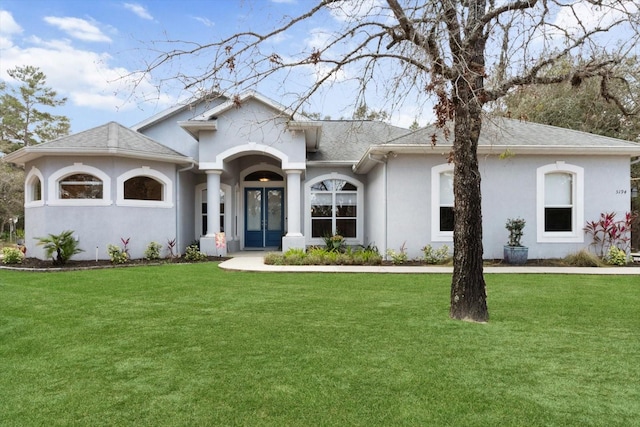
pixel 254 261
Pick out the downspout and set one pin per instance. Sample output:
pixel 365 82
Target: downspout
pixel 178 204
pixel 384 192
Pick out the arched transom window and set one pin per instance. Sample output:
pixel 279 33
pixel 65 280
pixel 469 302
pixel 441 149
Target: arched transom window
pixel 143 188
pixel 80 186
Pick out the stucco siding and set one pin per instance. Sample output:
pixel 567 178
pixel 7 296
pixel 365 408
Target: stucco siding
pixel 409 202
pixel 375 207
pixel 98 226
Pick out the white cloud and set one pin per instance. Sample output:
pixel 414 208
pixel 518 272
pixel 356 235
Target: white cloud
pixel 139 10
pixel 8 25
pixel 78 28
pixel 207 22
pixel 87 78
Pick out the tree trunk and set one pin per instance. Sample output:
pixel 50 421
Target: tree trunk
pixel 468 292
pixel 468 289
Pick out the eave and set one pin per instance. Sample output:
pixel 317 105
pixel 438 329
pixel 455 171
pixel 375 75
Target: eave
pixel 193 127
pixel 28 154
pixel 376 153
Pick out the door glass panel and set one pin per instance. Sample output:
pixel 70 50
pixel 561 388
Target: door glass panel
pixel 274 210
pixel 254 210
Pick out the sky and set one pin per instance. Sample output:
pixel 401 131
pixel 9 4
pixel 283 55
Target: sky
pixel 89 48
pixel 85 47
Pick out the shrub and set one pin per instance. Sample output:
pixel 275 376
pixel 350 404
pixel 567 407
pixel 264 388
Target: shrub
pixel 273 258
pixel 334 243
pixel 583 258
pixel 436 256
pixel 398 258
pixel 171 244
pixel 153 251
pixel 193 254
pixel 607 232
pixel 117 255
pixel 294 257
pixel 615 256
pixel 64 245
pixel 12 256
pixel 515 227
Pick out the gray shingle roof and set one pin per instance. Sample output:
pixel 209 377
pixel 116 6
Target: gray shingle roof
pixel 108 139
pixel 347 140
pixel 503 132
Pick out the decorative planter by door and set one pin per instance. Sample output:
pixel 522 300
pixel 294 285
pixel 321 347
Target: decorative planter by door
pixel 516 255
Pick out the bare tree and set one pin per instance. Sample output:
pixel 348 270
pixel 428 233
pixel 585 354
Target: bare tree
pixel 465 53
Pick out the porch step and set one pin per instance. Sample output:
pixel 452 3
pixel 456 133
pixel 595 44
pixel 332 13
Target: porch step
pixel 635 256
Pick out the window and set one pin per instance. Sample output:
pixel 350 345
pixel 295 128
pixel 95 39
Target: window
pixel 203 206
pixel 80 186
pixel 33 188
pixel 333 206
pixel 142 188
pixel 558 201
pixel 145 187
pixel 560 206
pixel 442 202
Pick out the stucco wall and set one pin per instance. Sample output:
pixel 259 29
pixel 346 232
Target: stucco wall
pixel 252 123
pixel 173 136
pixel 509 189
pixel 98 226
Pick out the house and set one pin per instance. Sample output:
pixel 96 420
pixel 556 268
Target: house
pixel 269 178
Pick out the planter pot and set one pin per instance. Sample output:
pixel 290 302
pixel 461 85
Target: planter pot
pixel 516 255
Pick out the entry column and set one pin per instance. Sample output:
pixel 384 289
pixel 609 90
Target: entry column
pixel 208 243
pixel 294 238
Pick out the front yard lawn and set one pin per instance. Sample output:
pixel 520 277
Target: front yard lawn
pixel 193 345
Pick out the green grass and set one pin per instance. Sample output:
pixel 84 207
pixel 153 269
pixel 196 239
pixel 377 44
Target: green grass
pixel 192 345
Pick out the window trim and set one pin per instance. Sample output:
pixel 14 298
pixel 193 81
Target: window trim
pixel 228 224
pixel 577 214
pixel 359 208
pixel 436 234
pixel 54 184
pixel 167 189
pixel 33 174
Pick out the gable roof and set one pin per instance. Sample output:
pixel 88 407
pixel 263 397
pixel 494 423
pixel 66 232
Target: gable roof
pixel 111 139
pixel 501 134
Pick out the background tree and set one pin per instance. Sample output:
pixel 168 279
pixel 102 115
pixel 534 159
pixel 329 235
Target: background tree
pixel 11 194
pixel 466 53
pixel 24 121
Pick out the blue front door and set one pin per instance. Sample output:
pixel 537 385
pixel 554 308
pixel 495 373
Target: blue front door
pixel 264 217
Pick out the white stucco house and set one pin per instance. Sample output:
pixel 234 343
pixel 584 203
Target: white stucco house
pixel 268 179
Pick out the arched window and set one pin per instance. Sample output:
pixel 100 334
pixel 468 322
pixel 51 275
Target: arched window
pixel 144 187
pixel 33 188
pixel 334 207
pixel 442 202
pixel 560 203
pixel 79 185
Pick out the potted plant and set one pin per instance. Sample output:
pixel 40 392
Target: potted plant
pixel 20 236
pixel 514 251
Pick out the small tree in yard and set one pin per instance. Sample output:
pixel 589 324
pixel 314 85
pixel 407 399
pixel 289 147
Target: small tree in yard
pixel 63 245
pixel 464 54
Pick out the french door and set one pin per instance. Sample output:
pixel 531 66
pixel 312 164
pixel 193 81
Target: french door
pixel 264 217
